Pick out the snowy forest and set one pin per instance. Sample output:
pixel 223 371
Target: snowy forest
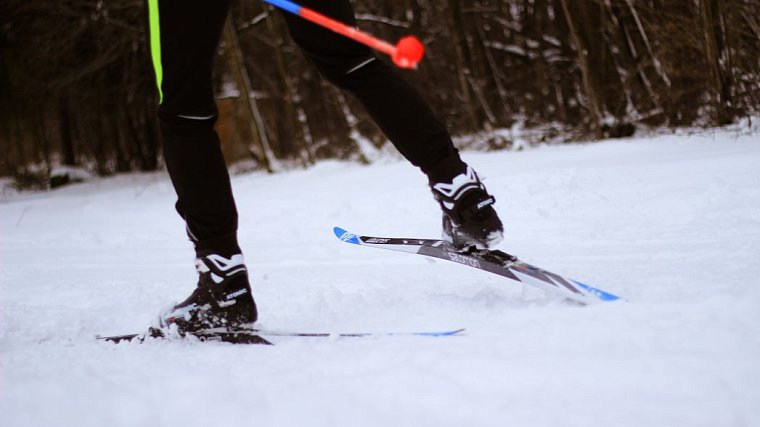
pixel 77 86
pixel 619 141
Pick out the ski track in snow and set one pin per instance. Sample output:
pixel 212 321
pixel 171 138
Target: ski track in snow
pixel 671 223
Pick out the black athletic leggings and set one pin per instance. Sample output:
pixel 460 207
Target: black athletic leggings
pixel 188 32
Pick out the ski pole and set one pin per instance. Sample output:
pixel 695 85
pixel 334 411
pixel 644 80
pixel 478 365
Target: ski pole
pixel 405 54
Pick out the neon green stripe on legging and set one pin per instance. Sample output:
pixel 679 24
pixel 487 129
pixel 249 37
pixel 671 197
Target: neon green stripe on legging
pixel 155 45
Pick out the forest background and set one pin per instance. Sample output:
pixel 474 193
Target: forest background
pixel 77 86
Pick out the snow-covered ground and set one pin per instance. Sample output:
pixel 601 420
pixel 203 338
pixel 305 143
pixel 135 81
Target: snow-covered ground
pixel 671 223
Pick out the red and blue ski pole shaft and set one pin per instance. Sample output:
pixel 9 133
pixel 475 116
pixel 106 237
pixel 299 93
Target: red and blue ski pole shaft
pixel 407 53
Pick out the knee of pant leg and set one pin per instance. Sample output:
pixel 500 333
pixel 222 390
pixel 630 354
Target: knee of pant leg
pixel 177 116
pixel 188 97
pixel 347 72
pixel 339 60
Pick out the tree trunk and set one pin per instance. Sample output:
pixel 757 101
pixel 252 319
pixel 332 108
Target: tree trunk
pixel 68 155
pixel 593 103
pixel 297 129
pixel 454 15
pixel 717 58
pixel 256 124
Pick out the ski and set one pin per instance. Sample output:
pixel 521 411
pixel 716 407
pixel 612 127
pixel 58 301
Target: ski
pixel 359 334
pixel 257 336
pixel 242 337
pixel 492 261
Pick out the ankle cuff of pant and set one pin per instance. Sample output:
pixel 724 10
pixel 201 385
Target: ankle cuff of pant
pixel 226 246
pixel 447 169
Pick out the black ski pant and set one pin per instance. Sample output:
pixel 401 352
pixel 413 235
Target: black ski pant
pixel 184 39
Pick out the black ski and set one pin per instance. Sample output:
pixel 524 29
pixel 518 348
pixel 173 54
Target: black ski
pixel 256 336
pixel 493 261
pixel 240 337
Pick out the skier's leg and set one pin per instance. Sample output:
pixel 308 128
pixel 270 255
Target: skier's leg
pixel 188 32
pixel 397 108
pixel 407 120
pixel 184 37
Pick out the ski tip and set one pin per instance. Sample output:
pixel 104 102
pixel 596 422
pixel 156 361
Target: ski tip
pixel 598 293
pixel 440 333
pixel 345 236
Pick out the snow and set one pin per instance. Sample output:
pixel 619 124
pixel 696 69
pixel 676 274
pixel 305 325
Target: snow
pixel 669 222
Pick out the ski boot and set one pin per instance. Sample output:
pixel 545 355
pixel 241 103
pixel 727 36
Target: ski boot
pixel 469 219
pixel 222 301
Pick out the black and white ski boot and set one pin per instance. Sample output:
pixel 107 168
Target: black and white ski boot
pixel 222 301
pixel 469 219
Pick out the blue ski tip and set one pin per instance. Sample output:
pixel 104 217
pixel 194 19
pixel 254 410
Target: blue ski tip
pixel 345 236
pixel 440 333
pixel 604 296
